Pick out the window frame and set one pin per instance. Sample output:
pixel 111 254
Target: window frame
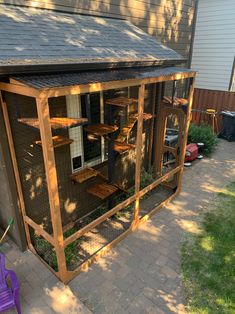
pixel 101 158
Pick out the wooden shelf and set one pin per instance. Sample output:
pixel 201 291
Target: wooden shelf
pixel 84 175
pixel 177 101
pixel 100 129
pixel 58 141
pixel 121 101
pixel 56 122
pixel 120 147
pixel 146 116
pixel 102 190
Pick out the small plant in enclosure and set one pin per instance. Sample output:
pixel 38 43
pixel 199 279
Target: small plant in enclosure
pixel 100 210
pixel 47 251
pixel 146 177
pixel 203 134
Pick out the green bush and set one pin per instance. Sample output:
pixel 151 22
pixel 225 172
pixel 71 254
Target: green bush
pixel 203 134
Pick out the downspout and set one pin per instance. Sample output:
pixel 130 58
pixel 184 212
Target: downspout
pixel 231 87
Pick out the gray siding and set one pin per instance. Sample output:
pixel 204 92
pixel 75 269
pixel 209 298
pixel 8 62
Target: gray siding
pixel 170 21
pixel 214 44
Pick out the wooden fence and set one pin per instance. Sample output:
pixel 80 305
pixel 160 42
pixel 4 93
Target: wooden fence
pixel 213 99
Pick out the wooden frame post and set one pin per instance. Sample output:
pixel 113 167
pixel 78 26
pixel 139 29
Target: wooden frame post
pixel 160 130
pixel 185 137
pixel 150 150
pixel 52 184
pixel 138 154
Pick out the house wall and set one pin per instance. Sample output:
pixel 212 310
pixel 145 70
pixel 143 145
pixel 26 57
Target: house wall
pixel 169 21
pixel 214 44
pixel 9 207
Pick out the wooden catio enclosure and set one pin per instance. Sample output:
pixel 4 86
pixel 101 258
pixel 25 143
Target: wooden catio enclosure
pixel 91 157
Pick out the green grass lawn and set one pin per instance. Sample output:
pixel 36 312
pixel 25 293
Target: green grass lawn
pixel 208 259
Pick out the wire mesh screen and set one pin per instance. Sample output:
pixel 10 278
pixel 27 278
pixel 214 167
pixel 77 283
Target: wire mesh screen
pixel 165 131
pixel 24 124
pixel 95 146
pixel 98 237
pixel 95 163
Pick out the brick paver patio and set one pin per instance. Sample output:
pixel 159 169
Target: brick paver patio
pixel 142 273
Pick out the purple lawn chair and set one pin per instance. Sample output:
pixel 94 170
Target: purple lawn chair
pixel 9 293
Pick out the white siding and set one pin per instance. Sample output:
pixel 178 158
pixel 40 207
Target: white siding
pixel 214 44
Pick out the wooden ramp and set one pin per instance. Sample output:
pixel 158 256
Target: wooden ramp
pixel 125 131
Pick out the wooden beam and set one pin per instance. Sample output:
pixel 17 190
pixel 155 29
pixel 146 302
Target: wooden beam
pixel 97 221
pixel 152 122
pixel 16 82
pixel 161 134
pixel 94 258
pixel 19 89
pixel 185 137
pixel 21 203
pixel 160 180
pixel 52 184
pixel 96 87
pixel 138 154
pixel 39 230
pixel 156 209
pixel 159 92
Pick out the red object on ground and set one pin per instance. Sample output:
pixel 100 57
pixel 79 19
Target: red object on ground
pixel 191 152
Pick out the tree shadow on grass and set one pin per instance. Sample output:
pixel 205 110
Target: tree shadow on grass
pixel 209 258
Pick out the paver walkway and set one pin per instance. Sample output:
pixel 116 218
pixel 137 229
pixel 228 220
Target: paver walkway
pixel 142 273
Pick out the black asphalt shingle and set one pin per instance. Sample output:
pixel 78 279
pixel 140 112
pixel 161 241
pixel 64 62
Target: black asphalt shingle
pixel 35 36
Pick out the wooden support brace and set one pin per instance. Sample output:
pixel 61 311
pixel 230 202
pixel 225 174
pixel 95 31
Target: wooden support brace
pixel 138 154
pixel 150 150
pixel 39 230
pixel 185 136
pixel 98 220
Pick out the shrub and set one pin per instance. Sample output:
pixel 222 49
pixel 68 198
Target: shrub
pixel 204 134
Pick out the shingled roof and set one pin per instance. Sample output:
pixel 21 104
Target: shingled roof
pixel 42 37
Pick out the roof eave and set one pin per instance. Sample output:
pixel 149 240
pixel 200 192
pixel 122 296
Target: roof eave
pixel 71 67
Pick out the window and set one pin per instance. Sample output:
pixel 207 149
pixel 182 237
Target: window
pixel 85 149
pixel 90 107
